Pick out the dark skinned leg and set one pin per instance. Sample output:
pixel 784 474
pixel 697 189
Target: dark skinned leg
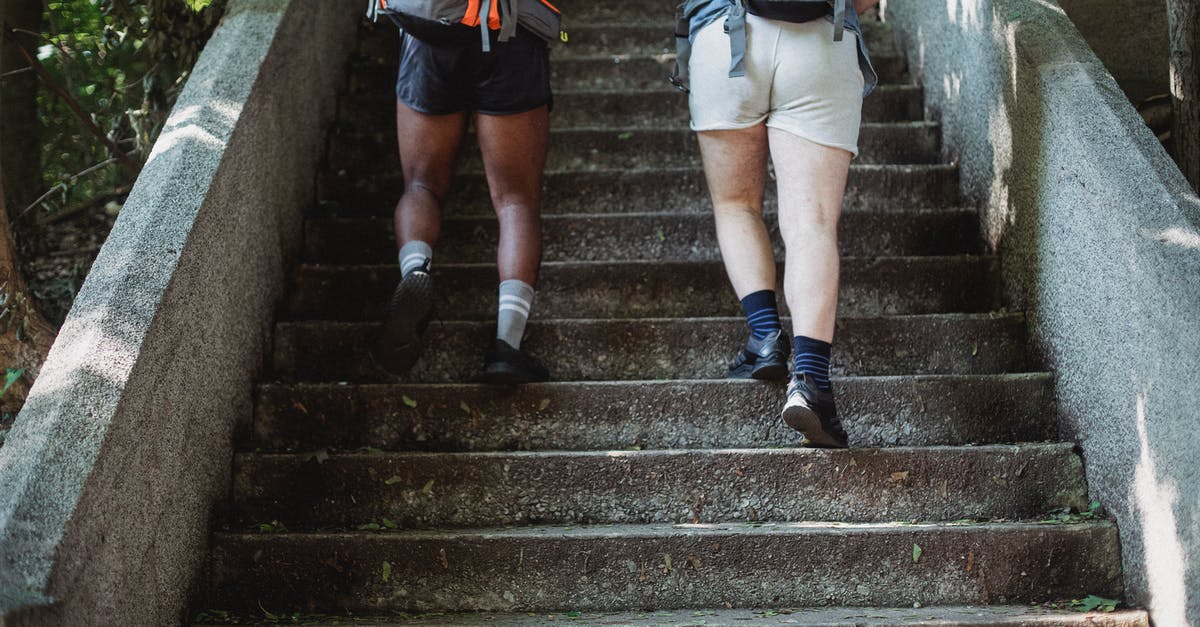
pixel 428 146
pixel 514 155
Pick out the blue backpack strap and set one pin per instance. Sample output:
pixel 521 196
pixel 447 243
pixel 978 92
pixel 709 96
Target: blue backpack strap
pixel 839 19
pixel 735 27
pixel 683 48
pixel 485 10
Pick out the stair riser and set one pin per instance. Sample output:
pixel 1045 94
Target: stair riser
pixel 608 73
pixel 669 191
pixel 713 569
pixel 654 109
pixel 906 143
pixel 662 349
pixel 422 490
pixel 910 411
pixel 868 287
pixel 648 237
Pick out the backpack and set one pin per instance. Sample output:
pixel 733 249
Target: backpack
pixel 539 16
pixel 735 27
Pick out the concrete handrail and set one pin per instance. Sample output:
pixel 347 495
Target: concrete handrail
pixel 1101 241
pixel 111 471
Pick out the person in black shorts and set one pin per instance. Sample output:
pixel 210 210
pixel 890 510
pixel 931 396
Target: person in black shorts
pixel 445 77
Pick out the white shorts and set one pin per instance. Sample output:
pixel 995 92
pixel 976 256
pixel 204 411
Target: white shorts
pixel 798 79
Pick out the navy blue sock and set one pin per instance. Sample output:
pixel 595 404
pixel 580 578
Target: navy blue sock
pixel 812 358
pixel 762 313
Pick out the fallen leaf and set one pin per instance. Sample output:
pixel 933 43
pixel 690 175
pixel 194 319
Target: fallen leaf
pixel 544 404
pixel 916 553
pixel 442 558
pixel 897 477
pixel 408 401
pixel 428 489
pixel 465 407
pixel 393 480
pixel 387 571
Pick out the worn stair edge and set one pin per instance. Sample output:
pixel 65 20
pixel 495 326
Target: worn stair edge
pixel 657 190
pixel 373 150
pixel 651 108
pixel 643 236
pixel 453 490
pixel 664 567
pixel 876 411
pixel 671 348
pixel 869 286
pixel 954 616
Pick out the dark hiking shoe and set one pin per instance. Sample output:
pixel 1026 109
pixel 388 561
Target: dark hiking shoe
pixel 764 359
pixel 812 412
pixel 398 344
pixel 506 365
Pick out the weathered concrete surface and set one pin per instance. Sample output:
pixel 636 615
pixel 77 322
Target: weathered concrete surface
pixel 645 190
pixel 647 236
pixel 615 567
pixel 371 150
pixel 112 467
pixel 981 616
pixel 657 108
pixel 989 616
pixel 1130 37
pixel 876 411
pixel 662 348
pixel 1101 242
pixel 453 490
pixel 648 289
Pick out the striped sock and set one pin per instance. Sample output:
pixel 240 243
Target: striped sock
pixel 413 255
pixel 812 358
pixel 762 313
pixel 516 299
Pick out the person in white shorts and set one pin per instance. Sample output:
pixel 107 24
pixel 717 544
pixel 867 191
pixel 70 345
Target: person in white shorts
pixel 781 79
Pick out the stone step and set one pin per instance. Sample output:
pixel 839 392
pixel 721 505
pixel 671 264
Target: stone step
pixel 958 616
pixel 646 237
pixel 665 567
pixel 605 72
pixel 451 490
pixel 649 190
pixel 647 289
pixel 644 31
pixel 674 348
pixel 374 151
pixel 876 411
pixel 650 109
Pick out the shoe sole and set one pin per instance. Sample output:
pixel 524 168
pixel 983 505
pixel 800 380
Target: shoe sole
pixel 504 374
pixel 807 422
pixel 398 345
pixel 770 372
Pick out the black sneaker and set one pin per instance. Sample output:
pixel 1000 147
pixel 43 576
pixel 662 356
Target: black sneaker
pixel 812 412
pixel 506 365
pixel 764 359
pixel 398 344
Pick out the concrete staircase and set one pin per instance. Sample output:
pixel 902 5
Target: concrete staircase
pixel 638 482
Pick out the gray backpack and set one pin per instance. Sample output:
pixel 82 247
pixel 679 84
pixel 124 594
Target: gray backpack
pixel 539 16
pixel 735 27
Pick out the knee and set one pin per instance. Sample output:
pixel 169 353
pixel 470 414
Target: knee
pixel 737 210
pixel 808 223
pixel 427 189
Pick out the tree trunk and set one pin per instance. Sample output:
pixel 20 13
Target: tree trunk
pixel 1182 18
pixel 20 130
pixel 25 336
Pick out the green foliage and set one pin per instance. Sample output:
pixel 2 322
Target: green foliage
pixel 124 63
pixel 1093 603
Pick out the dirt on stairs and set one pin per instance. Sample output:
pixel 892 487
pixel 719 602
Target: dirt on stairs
pixel 639 487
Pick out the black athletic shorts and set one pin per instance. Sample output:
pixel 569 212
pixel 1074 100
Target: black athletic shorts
pixel 452 74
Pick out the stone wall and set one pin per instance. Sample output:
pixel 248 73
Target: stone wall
pixel 111 471
pixel 1101 245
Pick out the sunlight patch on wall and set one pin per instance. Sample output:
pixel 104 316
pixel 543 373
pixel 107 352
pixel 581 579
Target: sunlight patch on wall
pixel 1165 558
